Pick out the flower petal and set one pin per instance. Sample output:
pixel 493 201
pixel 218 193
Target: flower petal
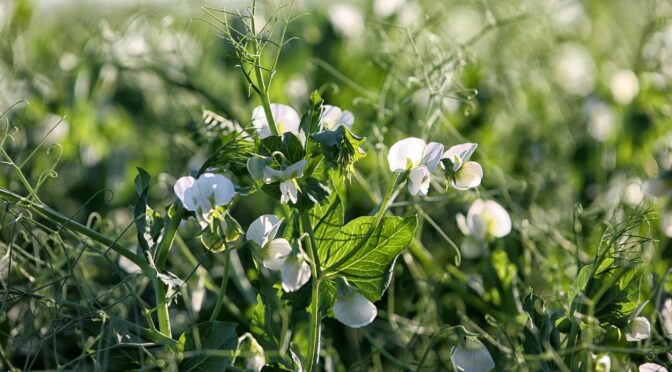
pixel 468 176
pixel 295 273
pixel 406 154
pixel 603 364
pixel 418 181
pixel 260 123
pixel 288 192
pixel 497 218
pixel 473 356
pixel 216 188
pixel 652 367
pixel 432 155
pixel 331 116
pixel 472 248
pixel 462 224
pixel 276 253
pixel 459 154
pixel 666 313
pixel 181 187
pixel 263 229
pixel 296 170
pixel 286 118
pixel 354 310
pixel 638 329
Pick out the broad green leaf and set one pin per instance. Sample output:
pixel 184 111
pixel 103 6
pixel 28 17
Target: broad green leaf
pixel 310 121
pixel 269 145
pixel 327 219
pixel 292 147
pixel 365 254
pixel 208 346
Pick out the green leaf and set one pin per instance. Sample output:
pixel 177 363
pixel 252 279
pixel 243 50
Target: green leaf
pixel 365 254
pixel 540 333
pixel 340 148
pixel 292 147
pixel 208 346
pixel 269 145
pixel 310 122
pixel 142 182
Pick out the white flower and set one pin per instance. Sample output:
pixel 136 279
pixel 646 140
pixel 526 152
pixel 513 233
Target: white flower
pixel 254 353
pixel 346 19
pixel 204 194
pixel 351 308
pixel 385 8
pixel 659 186
pixel 638 329
pixel 624 86
pixel 485 220
pixel 332 117
pixel 666 223
pixel 295 272
pixel 420 159
pixel 666 313
pixel 603 364
pixel 466 174
pixel 472 356
pixel 652 367
pixel 286 120
pixel 277 254
pixel 289 187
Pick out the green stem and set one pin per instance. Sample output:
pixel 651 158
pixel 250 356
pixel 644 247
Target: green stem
pixel 377 218
pixel 160 289
pixel 262 88
pixel 305 222
pixel 315 325
pixel 68 222
pixel 222 287
pixel 168 237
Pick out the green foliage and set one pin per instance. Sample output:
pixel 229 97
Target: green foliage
pixel 208 346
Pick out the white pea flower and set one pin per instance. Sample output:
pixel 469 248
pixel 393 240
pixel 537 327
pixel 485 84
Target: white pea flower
pixel 466 174
pixel 277 253
pixel 286 120
pixel 652 367
pixel 666 313
pixel 472 356
pixel 485 220
pixel 351 308
pixel 289 186
pixel 624 86
pixel 659 186
pixel 419 158
pixel 204 194
pixel 638 329
pixel 254 359
pixel 295 272
pixel 603 363
pixel 332 117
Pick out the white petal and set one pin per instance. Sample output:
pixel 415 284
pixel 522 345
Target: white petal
pixel 271 174
pixel 348 119
pixel 256 362
pixel 459 154
pixel 603 364
pixel 181 186
pixel 406 154
pixel 475 222
pixel 473 356
pixel 331 117
pixel 260 123
pixel 295 273
pixel 638 329
pixel 296 170
pixel 198 295
pixel 472 248
pixel 666 313
pixel 497 219
pixel 462 224
pixel 468 176
pixel 418 181
pixel 288 191
pixel 658 187
pixel 263 229
pixel 217 188
pixel 286 118
pixel 276 253
pixel 354 310
pixel 432 155
pixel 652 367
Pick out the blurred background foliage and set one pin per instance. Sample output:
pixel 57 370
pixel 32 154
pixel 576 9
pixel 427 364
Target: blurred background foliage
pixel 569 102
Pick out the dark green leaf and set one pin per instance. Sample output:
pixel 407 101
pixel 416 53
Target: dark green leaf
pixel 292 147
pixel 208 346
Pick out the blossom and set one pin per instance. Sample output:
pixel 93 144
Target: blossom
pixel 602 364
pixel 659 186
pixel 286 120
pixel 472 356
pixel 289 186
pixel 624 86
pixel 332 117
pixel 254 356
pixel 485 220
pixel 465 174
pixel 277 254
pixel 418 158
pixel 666 313
pixel 638 329
pixel 346 19
pixel 351 308
pixel 203 194
pixel 652 367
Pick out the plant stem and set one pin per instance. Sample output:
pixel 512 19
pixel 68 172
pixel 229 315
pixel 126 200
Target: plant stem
pixel 222 287
pixel 262 88
pixel 168 237
pixel 305 222
pixel 68 222
pixel 315 325
pixel 160 289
